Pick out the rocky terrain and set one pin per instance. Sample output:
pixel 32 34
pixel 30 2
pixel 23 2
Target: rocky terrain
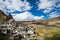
pixel 28 30
pixel 15 31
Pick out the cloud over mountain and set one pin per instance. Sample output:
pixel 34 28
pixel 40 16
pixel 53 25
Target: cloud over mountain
pixel 24 10
pixel 54 14
pixel 26 16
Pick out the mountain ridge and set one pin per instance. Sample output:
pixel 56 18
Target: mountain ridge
pixel 49 21
pixel 4 17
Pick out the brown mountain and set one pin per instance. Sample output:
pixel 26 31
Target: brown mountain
pixel 52 21
pixel 4 17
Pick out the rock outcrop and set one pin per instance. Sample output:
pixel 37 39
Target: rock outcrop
pixel 4 17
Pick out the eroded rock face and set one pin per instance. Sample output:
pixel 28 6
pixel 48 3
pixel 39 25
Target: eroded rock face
pixel 4 17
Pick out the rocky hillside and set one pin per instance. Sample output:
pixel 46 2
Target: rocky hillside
pixel 4 17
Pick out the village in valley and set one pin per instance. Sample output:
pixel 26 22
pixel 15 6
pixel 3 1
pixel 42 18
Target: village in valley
pixel 17 31
pixel 28 30
pixel 14 30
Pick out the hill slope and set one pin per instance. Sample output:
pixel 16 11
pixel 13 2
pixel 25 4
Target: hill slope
pixel 49 22
pixel 4 17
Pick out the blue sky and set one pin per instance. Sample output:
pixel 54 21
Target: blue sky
pixel 28 10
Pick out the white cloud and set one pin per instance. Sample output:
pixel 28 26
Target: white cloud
pixel 47 5
pixel 21 6
pixel 54 14
pixel 47 10
pixel 15 5
pixel 26 16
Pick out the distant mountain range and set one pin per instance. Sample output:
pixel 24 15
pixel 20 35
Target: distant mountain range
pixel 51 21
